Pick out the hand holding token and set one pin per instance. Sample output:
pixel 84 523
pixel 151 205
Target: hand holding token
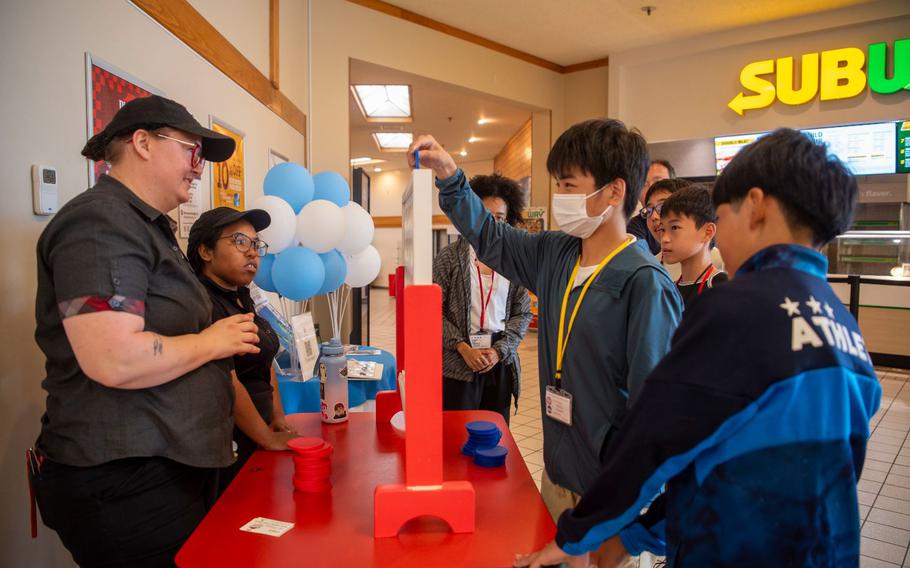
pixel 426 152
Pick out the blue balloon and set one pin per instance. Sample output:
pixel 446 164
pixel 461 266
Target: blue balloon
pixel 263 277
pixel 336 268
pixel 331 187
pixel 291 182
pixel 298 273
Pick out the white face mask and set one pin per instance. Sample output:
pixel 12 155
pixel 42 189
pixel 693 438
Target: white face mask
pixel 571 213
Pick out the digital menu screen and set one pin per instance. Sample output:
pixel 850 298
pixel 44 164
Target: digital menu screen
pixel 903 147
pixel 866 149
pixel 725 147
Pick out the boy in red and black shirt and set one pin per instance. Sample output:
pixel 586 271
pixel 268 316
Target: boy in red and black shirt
pixel 688 226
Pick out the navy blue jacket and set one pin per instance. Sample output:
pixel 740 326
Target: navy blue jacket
pixel 756 420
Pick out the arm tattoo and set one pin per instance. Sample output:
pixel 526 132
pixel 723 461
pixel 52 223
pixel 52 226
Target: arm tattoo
pixel 158 345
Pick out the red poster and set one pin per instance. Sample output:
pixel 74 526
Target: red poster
pixel 109 89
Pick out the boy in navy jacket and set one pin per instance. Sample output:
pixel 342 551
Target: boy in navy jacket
pixel 757 419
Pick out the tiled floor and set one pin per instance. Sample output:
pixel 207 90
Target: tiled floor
pixel 884 489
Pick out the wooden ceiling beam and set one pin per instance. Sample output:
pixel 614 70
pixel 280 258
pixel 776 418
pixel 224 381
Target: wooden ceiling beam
pixel 190 27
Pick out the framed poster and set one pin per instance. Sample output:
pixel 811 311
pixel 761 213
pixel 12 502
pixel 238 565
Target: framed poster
pixel 535 219
pixel 107 88
pixel 188 212
pixel 228 176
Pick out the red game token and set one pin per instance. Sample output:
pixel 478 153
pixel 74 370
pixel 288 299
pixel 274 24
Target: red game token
pixel 312 471
pixel 310 447
pixel 312 479
pixel 321 455
pixel 313 486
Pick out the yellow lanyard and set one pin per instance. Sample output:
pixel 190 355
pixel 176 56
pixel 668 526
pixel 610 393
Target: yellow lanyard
pixel 563 341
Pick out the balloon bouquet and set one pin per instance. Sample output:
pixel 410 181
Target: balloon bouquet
pixel 319 240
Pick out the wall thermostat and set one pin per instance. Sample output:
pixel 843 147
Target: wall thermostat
pixel 44 190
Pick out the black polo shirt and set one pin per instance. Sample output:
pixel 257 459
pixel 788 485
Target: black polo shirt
pixel 108 250
pixel 254 370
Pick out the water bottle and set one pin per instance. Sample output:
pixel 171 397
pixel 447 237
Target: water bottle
pixel 333 382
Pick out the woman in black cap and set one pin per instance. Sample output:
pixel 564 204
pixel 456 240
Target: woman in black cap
pixel 224 250
pixel 139 393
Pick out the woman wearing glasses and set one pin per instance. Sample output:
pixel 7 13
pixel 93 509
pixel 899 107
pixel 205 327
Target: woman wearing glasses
pixel 138 415
pixel 656 194
pixel 224 250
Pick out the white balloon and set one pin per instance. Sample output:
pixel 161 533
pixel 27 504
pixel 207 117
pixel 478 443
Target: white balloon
pixel 358 229
pixel 320 225
pixel 363 267
pixel 281 232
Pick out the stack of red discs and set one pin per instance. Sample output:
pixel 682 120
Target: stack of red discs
pixel 312 464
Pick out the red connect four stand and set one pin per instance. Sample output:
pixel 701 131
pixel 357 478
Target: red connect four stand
pixel 424 491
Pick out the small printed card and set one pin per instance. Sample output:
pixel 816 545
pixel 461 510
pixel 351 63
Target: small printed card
pixel 360 350
pixel 307 344
pixel 364 370
pixel 270 527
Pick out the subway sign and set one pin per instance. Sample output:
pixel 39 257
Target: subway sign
pixel 830 75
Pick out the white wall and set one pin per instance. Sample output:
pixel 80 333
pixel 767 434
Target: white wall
pixel 43 117
pixel 586 94
pixel 244 23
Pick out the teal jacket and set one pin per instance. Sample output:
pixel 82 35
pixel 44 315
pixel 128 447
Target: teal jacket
pixel 622 330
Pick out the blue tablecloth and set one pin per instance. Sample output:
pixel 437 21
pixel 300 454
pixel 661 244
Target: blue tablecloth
pixel 303 396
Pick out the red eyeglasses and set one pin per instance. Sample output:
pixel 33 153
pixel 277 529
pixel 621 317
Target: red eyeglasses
pixel 196 154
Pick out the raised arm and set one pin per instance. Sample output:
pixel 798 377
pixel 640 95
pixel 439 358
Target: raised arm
pixel 512 252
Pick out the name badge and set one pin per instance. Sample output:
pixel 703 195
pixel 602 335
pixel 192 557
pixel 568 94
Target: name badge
pixel 559 405
pixel 482 340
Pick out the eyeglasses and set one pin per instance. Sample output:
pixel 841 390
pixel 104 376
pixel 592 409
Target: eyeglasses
pixel 244 243
pixel 195 156
pixel 647 211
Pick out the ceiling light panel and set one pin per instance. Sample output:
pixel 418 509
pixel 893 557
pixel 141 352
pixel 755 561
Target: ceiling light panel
pixel 384 103
pixel 393 141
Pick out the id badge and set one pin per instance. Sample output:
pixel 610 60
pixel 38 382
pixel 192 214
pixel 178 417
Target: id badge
pixel 559 405
pixel 482 340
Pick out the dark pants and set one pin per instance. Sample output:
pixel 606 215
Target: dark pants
pixel 263 402
pixel 488 391
pixel 134 512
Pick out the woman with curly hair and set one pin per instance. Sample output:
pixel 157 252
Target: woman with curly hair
pixel 485 316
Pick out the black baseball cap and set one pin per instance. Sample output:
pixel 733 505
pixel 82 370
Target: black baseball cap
pixel 156 112
pixel 213 220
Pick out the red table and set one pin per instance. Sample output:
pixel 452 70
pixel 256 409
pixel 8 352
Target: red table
pixel 336 528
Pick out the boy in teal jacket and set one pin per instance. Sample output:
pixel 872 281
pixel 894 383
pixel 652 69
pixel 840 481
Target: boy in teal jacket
pixel 607 307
